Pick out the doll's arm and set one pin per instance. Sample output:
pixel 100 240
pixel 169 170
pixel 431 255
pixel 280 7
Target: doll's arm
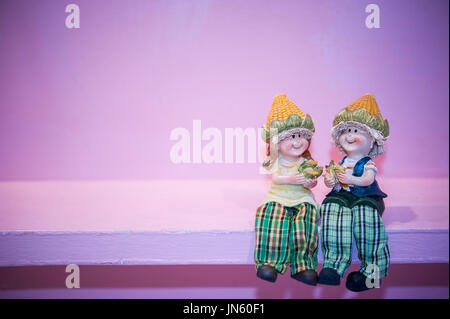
pixel 365 180
pixel 296 179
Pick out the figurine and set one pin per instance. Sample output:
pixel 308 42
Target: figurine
pixel 286 222
pixel 355 205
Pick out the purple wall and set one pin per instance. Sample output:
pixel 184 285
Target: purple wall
pixel 100 102
pixel 219 281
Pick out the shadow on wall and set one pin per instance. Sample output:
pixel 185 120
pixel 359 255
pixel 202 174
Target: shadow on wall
pixel 227 281
pixel 398 215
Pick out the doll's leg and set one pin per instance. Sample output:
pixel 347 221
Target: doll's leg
pixel 272 236
pixel 304 239
pixel 336 237
pixel 371 240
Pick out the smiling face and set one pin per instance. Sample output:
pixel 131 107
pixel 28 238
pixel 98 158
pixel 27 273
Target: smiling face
pixel 355 141
pixel 293 147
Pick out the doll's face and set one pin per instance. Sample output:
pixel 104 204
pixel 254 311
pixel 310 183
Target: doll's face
pixel 293 146
pixel 355 140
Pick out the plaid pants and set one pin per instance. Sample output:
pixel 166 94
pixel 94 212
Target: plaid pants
pixel 340 224
pixel 286 235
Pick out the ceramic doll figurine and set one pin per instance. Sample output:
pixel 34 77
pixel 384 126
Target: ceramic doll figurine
pixel 355 205
pixel 286 222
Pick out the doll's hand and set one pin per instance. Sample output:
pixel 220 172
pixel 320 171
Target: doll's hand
pixel 310 183
pixel 329 180
pixel 345 178
pixel 297 179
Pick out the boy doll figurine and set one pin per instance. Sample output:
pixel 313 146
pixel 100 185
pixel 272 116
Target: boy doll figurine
pixel 355 205
pixel 286 222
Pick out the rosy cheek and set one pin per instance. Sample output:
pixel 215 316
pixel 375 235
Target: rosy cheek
pixel 357 140
pixel 287 146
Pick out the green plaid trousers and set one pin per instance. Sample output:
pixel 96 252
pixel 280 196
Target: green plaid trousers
pixel 286 235
pixel 340 224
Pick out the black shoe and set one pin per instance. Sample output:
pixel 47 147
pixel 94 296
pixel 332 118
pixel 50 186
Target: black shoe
pixel 267 272
pixel 329 276
pixel 308 277
pixel 356 281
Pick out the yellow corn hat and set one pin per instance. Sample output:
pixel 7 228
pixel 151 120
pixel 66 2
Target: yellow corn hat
pixel 282 108
pixel 365 111
pixel 366 102
pixel 284 116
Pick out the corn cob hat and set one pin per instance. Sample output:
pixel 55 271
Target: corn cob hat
pixel 285 119
pixel 365 114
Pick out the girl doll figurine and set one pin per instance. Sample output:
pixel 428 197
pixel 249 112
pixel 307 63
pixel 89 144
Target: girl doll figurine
pixel 355 205
pixel 286 222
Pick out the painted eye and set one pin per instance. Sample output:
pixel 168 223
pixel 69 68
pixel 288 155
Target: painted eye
pixel 356 130
pixel 293 136
pixel 349 130
pixel 299 136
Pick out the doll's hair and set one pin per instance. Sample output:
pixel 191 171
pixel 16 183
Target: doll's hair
pixel 378 139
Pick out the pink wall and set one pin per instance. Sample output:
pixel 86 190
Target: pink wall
pixel 100 102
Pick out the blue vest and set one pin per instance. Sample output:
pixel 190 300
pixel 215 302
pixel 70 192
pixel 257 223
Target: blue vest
pixel 362 191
